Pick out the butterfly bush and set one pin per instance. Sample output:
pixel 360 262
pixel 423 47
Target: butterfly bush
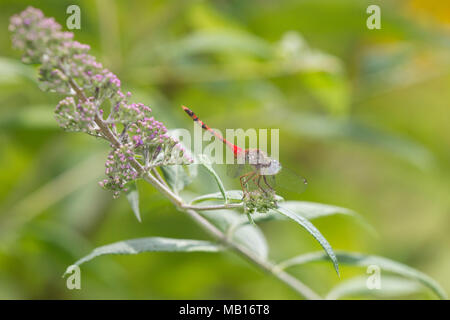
pixel 93 97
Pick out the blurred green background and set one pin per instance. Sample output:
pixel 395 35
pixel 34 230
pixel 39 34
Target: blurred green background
pixel 363 114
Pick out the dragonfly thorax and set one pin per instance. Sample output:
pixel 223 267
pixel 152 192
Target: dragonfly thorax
pixel 262 162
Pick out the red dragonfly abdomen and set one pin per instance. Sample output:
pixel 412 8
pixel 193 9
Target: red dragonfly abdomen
pixel 236 149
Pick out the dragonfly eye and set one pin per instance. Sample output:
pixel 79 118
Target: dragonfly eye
pixel 273 168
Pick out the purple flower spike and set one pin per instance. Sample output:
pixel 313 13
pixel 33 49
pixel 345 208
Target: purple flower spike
pixel 68 68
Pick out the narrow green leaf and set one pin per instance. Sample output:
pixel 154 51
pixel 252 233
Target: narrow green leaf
pixel 253 238
pixel 390 286
pixel 152 244
pixel 314 210
pixel 179 176
pixel 309 211
pixel 133 199
pixel 314 232
pixel 232 196
pixel 250 236
pixel 206 163
pixel 259 217
pixel 361 260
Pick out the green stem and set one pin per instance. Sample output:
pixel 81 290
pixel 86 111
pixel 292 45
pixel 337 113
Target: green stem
pixel 213 207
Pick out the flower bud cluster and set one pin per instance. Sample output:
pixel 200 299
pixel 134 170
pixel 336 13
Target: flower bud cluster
pixel 69 69
pixel 119 170
pixel 73 116
pixel 259 201
pixel 36 35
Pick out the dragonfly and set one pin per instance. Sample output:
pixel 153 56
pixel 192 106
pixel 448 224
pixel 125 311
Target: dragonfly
pixel 265 172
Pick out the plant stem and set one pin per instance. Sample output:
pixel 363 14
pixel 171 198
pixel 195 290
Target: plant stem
pixel 213 207
pixel 263 264
pixel 158 176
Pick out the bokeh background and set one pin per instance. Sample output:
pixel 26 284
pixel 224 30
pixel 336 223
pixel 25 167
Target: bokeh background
pixel 363 114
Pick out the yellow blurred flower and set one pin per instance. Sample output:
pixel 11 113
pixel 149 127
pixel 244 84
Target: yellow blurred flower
pixel 437 9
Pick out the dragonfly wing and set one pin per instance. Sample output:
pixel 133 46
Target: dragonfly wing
pixel 288 180
pixel 236 170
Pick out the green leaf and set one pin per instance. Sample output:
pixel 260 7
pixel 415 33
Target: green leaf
pixel 259 217
pixel 308 210
pixel 179 176
pixel 231 195
pixel 152 244
pixel 390 286
pixel 314 210
pixel 206 163
pixel 361 260
pixel 133 199
pixel 250 236
pixel 314 232
pixel 253 238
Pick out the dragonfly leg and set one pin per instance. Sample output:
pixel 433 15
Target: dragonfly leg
pixel 267 184
pixel 249 177
pixel 258 183
pixel 244 184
